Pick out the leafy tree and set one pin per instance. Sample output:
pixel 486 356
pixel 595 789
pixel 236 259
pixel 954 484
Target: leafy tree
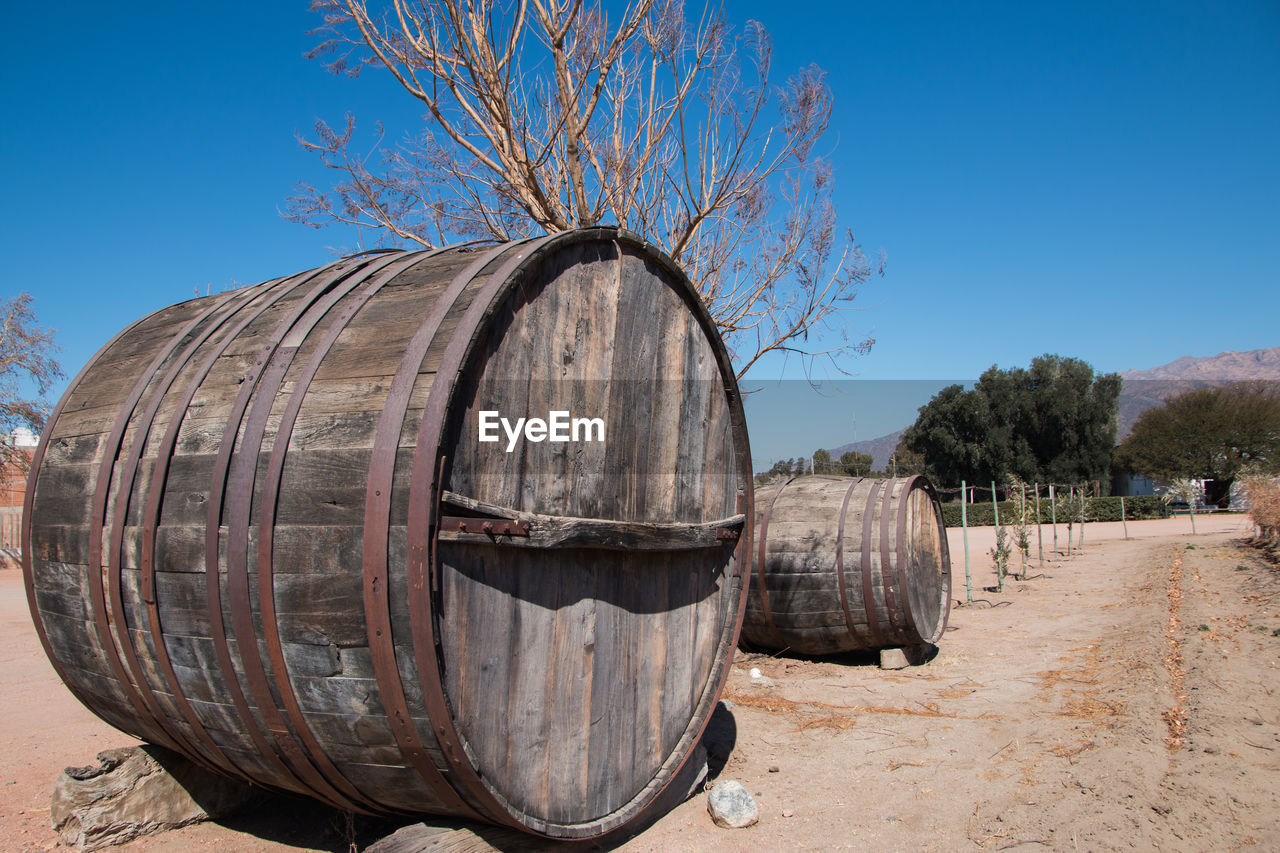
pixel 950 434
pixel 856 464
pixel 1052 422
pixel 821 462
pixel 26 363
pixel 1067 419
pixel 1207 433
pixel 783 469
pixel 546 115
pixel 904 462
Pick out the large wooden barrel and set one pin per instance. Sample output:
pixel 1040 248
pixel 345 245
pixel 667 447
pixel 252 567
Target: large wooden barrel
pixel 847 564
pixel 285 531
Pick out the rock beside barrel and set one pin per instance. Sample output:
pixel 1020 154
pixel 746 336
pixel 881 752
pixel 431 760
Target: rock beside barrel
pixel 848 564
pixel 138 791
pixel 731 805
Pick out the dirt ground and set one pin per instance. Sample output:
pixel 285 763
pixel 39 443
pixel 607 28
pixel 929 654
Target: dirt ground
pixel 1122 698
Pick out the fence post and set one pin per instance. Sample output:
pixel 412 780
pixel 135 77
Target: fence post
pixel 1022 531
pixel 1122 518
pixel 1082 504
pixel 964 524
pixel 1071 498
pixel 1039 531
pixel 1053 517
pixel 995 509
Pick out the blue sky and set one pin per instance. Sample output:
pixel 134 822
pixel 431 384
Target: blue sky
pixel 1097 180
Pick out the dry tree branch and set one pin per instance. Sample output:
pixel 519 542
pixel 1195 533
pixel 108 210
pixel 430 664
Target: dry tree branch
pixel 544 115
pixel 26 364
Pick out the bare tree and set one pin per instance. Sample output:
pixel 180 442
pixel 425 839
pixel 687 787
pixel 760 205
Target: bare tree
pixel 26 365
pixel 544 115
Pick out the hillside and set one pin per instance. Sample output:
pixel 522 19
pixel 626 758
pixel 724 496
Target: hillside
pixel 880 448
pixel 1223 367
pixel 1146 389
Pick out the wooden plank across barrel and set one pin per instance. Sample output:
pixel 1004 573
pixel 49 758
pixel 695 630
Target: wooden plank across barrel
pixel 846 564
pixel 461 531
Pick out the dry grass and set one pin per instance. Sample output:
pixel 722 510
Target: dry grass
pixel 1176 717
pixel 957 692
pixel 1063 751
pixel 811 715
pixel 764 701
pixel 834 722
pixel 772 702
pixel 1092 708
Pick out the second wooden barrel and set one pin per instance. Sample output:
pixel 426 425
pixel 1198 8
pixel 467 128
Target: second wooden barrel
pixel 460 531
pixel 846 564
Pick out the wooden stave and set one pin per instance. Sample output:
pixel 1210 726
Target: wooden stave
pixel 811 610
pixel 733 603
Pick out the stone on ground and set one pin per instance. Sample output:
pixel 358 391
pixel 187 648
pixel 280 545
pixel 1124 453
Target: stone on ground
pixel 138 791
pixel 893 659
pixel 731 806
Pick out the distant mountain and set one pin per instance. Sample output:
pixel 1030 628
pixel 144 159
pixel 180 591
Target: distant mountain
pixel 1147 389
pixel 1223 367
pixel 1142 390
pixel 880 449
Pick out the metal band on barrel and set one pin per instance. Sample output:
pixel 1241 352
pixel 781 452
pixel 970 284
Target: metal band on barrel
pixel 904 579
pixel 761 574
pixel 213 520
pixel 205 750
pixel 270 491
pixel 139 694
pixel 840 579
pixel 868 588
pixel 423 514
pixel 377 529
pixel 28 504
pixel 313 770
pixel 886 563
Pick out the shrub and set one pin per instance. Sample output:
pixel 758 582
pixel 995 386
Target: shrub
pixel 1264 506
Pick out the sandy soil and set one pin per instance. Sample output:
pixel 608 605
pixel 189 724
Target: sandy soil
pixel 1121 698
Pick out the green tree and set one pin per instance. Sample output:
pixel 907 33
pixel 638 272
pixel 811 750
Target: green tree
pixel 1207 433
pixel 950 434
pixel 1052 422
pixel 821 462
pixel 26 365
pixel 1068 421
pixel 856 464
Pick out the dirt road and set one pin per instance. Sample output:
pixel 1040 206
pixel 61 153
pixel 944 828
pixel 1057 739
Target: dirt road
pixel 1123 698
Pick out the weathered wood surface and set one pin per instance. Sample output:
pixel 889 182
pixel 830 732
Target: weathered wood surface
pixel 233 545
pixel 847 564
pixel 550 531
